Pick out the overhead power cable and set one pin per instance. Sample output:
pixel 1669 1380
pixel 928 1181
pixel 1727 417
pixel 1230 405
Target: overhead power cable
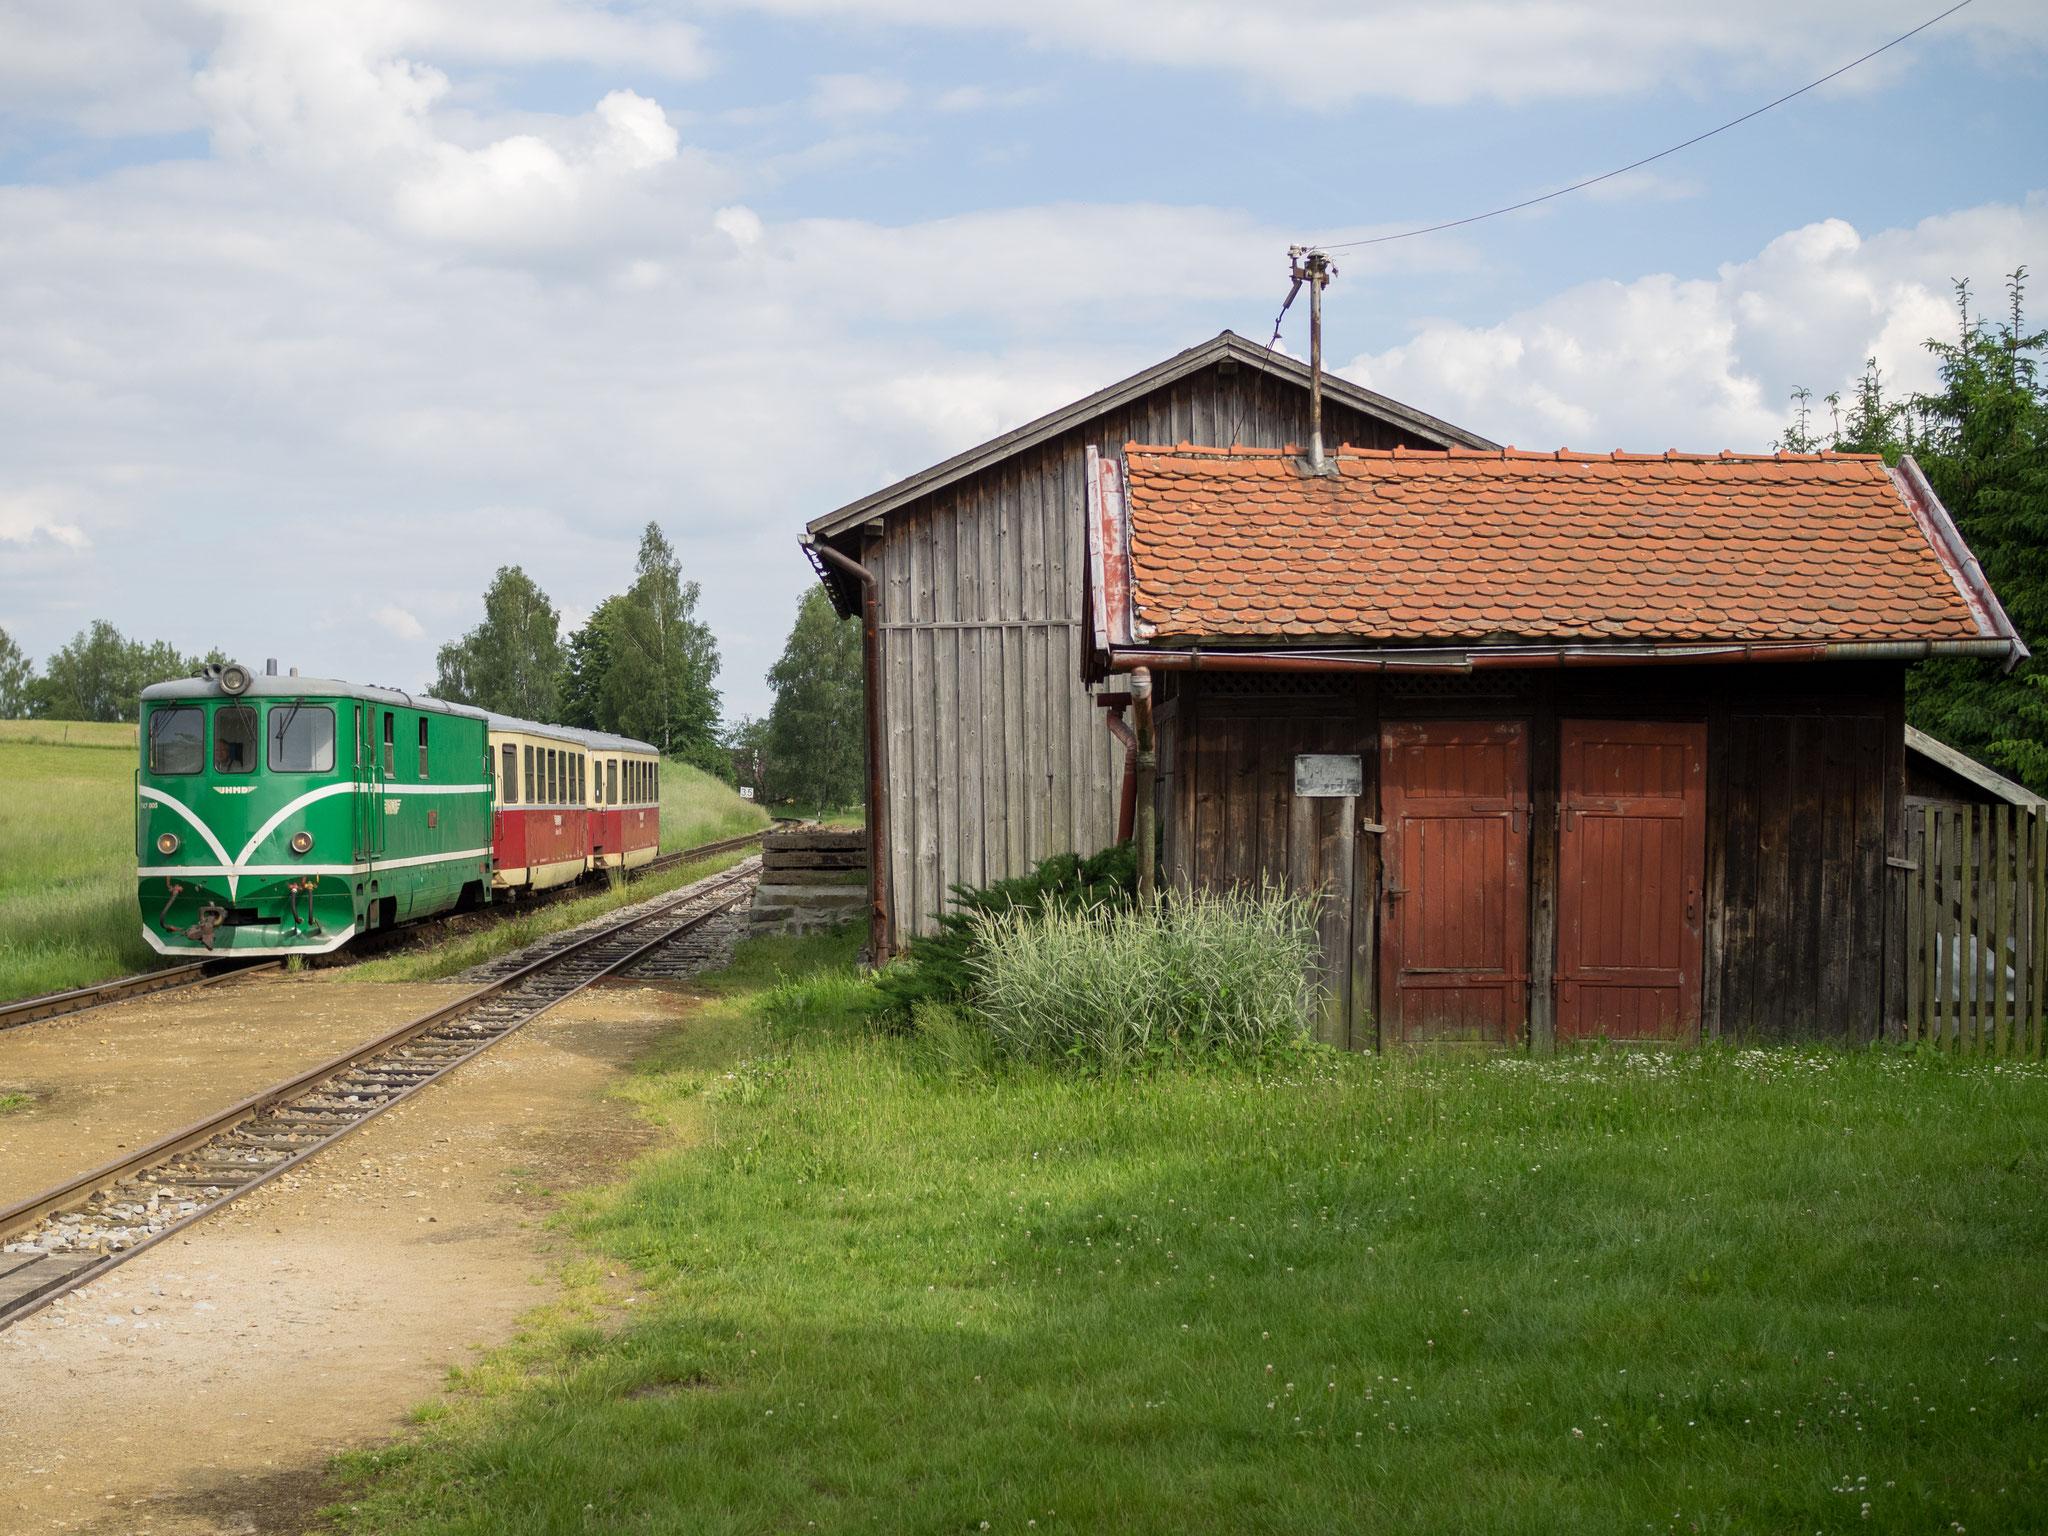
pixel 1593 181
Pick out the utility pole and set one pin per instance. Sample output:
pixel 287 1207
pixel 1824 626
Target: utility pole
pixel 1312 266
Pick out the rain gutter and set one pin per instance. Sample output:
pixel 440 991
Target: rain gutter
pixel 1485 658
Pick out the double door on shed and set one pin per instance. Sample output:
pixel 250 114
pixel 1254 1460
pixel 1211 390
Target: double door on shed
pixel 1455 953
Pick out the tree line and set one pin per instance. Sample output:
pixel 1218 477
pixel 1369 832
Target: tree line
pixel 1982 439
pixel 100 675
pixel 643 665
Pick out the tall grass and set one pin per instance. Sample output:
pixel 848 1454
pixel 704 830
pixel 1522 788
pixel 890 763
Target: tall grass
pixel 1111 987
pixel 68 915
pixel 698 808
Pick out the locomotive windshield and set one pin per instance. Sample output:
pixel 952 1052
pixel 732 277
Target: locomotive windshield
pixel 234 739
pixel 301 738
pixel 177 740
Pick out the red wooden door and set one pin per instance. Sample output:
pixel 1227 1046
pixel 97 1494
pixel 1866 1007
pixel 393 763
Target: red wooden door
pixel 1454 950
pixel 1631 866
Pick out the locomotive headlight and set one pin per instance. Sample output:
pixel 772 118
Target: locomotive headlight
pixel 167 843
pixel 302 842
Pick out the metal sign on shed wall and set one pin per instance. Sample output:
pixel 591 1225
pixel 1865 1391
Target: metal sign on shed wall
pixel 1328 775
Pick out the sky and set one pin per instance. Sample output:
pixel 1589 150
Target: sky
pixel 313 315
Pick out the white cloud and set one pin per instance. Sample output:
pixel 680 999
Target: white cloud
pixel 1321 53
pixel 1706 364
pixel 399 622
pixel 35 513
pixel 841 98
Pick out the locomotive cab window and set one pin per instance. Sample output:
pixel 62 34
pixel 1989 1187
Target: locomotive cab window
pixel 234 739
pixel 177 740
pixel 511 760
pixel 301 738
pixel 423 746
pixel 390 756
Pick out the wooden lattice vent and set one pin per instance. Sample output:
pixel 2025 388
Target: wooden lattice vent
pixel 1455 685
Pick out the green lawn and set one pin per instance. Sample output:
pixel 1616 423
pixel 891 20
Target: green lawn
pixel 1756 1291
pixel 67 858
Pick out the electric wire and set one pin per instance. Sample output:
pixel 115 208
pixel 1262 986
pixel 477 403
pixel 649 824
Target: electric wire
pixel 1591 181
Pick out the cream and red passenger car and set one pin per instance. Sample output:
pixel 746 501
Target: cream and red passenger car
pixel 570 802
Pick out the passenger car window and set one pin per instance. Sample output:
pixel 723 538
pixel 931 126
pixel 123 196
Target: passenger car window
pixel 234 739
pixel 511 759
pixel 611 781
pixel 301 738
pixel 177 740
pixel 530 785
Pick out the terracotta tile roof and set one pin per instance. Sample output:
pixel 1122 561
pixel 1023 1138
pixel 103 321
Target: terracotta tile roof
pixel 1408 546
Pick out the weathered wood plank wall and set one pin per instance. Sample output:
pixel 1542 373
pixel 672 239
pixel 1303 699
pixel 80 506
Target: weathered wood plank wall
pixel 994 754
pixel 1806 889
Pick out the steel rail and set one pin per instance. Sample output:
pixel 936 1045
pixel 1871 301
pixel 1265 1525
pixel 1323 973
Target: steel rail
pixel 54 1005
pixel 28 1213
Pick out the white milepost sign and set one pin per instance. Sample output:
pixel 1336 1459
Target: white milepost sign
pixel 1328 775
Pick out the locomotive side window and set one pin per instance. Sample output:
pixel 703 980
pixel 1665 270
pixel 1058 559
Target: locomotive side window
pixel 423 746
pixel 511 757
pixel 177 740
pixel 359 736
pixel 234 739
pixel 301 738
pixel 390 756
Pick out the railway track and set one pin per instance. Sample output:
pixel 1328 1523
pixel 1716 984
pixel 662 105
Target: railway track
pixel 71 1234
pixel 55 1004
pixel 205 972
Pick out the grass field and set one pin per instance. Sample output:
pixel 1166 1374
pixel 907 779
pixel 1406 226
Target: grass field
pixel 67 858
pixel 697 808
pixel 1755 1291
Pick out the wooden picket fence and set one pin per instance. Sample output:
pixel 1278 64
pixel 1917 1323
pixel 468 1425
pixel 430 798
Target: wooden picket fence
pixel 1977 928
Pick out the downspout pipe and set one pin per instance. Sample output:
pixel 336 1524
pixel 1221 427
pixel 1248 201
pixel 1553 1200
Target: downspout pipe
pixel 881 920
pixel 1127 806
pixel 1147 764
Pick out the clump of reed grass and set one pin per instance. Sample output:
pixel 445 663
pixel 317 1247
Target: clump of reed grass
pixel 1109 988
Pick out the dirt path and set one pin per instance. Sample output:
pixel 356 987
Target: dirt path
pixel 198 1390
pixel 115 1078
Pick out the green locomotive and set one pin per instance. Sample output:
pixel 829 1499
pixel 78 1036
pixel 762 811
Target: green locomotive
pixel 286 815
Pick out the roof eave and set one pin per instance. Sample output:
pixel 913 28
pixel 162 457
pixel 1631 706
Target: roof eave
pixel 1226 345
pixel 1968 768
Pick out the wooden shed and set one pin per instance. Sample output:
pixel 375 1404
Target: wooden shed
pixel 1569 745
pixel 989 753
